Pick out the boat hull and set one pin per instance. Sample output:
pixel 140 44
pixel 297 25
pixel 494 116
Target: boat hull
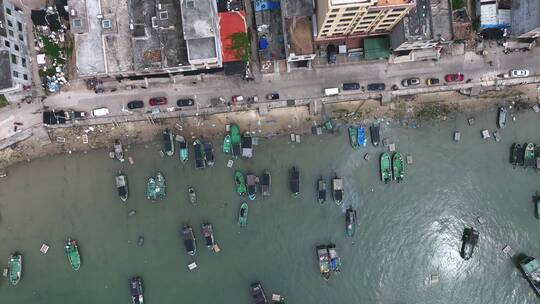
pixel 397 167
pixel 361 138
pixel 501 121
pixel 321 191
pixel 294 182
pixel 73 254
pixel 243 214
pixel 386 172
pixel 353 135
pixel 15 268
pixel 240 183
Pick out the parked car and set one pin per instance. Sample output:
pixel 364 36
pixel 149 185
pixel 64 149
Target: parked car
pixel 349 86
pixel 454 77
pixel 432 81
pixel 237 98
pixel 331 53
pixel 135 104
pixel 185 102
pixel 376 87
pixel 409 82
pixel 272 96
pixel 100 112
pixel 519 73
pixel 331 91
pixel 158 101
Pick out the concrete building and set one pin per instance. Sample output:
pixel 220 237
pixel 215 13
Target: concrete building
pixel 357 18
pixel 525 19
pixel 298 16
pixel 15 65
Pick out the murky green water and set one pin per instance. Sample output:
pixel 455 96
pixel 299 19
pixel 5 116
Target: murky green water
pixel 406 233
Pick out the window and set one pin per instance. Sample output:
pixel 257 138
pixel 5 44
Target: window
pixel 16 74
pixel 19 26
pixel 13 59
pixel 23 62
pixel 25 76
pixel 6 43
pixel 16 47
pixel 9 23
pixel 348 14
pixel 328 26
pixel 21 38
pixel 335 10
pixel 8 11
pixel 348 9
pixel 345 20
pixel 332 16
pixel 10 32
pixel 325 31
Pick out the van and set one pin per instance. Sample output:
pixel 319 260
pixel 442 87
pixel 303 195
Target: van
pixel 100 112
pixel 349 86
pixel 331 91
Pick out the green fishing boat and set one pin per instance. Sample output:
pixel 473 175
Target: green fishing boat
pixel 537 205
pixel 501 122
pixel 236 140
pixel 227 144
pixel 353 136
pixel 72 251
pixel 242 215
pixel 350 221
pixel 183 147
pixel 397 167
pixel 528 155
pixel 386 172
pixel 15 268
pixel 155 187
pixel 151 189
pixel 160 185
pixel 240 182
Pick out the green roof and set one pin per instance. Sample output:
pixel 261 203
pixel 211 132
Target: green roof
pixel 375 48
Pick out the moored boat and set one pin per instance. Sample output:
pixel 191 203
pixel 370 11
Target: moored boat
pixel 257 293
pixel 397 167
pixel 240 183
pixel 236 140
pixel 227 144
pixel 337 190
pixel 385 167
pixel 469 241
pixel 353 135
pixel 324 261
pixel 335 261
pixel 73 254
pixel 122 186
pixel 119 150
pixel 362 141
pixel 136 290
pixel 514 153
pixel 160 185
pixel 183 148
pixel 151 189
pixel 15 268
pixel 375 134
pixel 537 205
pixel 208 153
pixel 243 214
pixel 192 196
pixel 528 155
pixel 189 240
pixel 247 145
pixel 294 182
pixel 531 268
pixel 501 121
pixel 321 191
pixel 200 162
pixel 251 181
pixel 350 221
pixel 208 233
pixel 168 142
pixel 266 183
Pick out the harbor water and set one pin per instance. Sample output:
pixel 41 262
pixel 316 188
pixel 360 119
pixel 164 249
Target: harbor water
pixel 407 232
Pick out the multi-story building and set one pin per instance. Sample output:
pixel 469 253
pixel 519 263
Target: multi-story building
pixel 346 18
pixel 14 59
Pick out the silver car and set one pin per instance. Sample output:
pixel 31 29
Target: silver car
pixel 410 82
pixel 519 73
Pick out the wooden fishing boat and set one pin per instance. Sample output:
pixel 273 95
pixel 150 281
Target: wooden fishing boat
pixel 243 214
pixel 397 167
pixel 294 182
pixel 183 148
pixel 353 135
pixel 192 196
pixel 321 191
pixel 240 183
pixel 73 254
pixel 385 167
pixel 337 190
pixel 266 183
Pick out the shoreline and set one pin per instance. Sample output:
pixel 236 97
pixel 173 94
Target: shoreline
pixel 276 122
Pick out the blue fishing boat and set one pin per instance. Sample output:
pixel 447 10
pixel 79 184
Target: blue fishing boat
pixel 362 141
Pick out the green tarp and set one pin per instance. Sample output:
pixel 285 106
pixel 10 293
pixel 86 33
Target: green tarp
pixel 375 48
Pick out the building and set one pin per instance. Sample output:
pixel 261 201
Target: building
pixel 298 16
pixel 14 54
pixel 357 18
pixel 525 19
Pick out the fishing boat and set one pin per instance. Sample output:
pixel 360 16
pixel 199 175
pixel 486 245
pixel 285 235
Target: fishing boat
pixel 15 268
pixel 321 191
pixel 247 145
pixel 362 140
pixel 386 171
pixel 200 162
pixel 350 221
pixel 294 182
pixel 227 144
pixel 183 148
pixel 72 251
pixel 375 133
pixel 208 153
pixel 266 183
pixel 251 181
pixel 168 142
pixel 469 241
pixel 324 261
pixel 189 240
pixel 140 241
pixel 335 261
pixel 242 215
pixel 192 196
pixel 257 293
pixel 501 121
pixel 151 193
pixel 528 155
pixel 537 205
pixel 160 185
pixel 122 186
pixel 236 140
pixel 514 153
pixel 240 183
pixel 531 268
pixel 136 290
pixel 397 167
pixel 119 150
pixel 337 190
pixel 353 135
pixel 208 233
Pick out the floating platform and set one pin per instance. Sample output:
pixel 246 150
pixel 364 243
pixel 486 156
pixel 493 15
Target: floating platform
pixel 192 266
pixel 485 134
pixel 457 136
pixel 497 136
pixel 470 120
pixel 508 250
pixel 409 160
pixel 481 220
pixel 44 248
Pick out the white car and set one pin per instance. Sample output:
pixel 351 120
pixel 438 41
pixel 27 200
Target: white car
pixel 519 73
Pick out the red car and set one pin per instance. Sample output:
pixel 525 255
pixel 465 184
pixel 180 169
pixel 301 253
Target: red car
pixel 454 77
pixel 158 101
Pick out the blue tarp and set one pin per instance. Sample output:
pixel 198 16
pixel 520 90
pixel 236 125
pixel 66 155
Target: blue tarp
pixel 266 5
pixel 263 44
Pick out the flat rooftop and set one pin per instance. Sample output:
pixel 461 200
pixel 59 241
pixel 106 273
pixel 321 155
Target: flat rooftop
pixel 5 67
pixel 417 22
pixel 299 35
pixel 441 22
pixel 297 8
pixel 200 28
pixel 525 16
pixel 230 23
pixel 394 2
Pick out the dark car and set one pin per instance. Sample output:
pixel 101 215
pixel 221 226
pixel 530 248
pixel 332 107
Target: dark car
pixel 376 87
pixel 432 81
pixel 186 102
pixel 349 86
pixel 135 104
pixel 454 77
pixel 331 53
pixel 158 101
pixel 272 96
pixel 409 82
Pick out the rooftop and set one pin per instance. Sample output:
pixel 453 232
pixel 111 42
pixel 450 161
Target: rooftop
pixel 5 66
pixel 394 2
pixel 441 23
pixel 525 16
pixel 297 8
pixel 200 28
pixel 415 26
pixel 229 24
pixel 299 35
